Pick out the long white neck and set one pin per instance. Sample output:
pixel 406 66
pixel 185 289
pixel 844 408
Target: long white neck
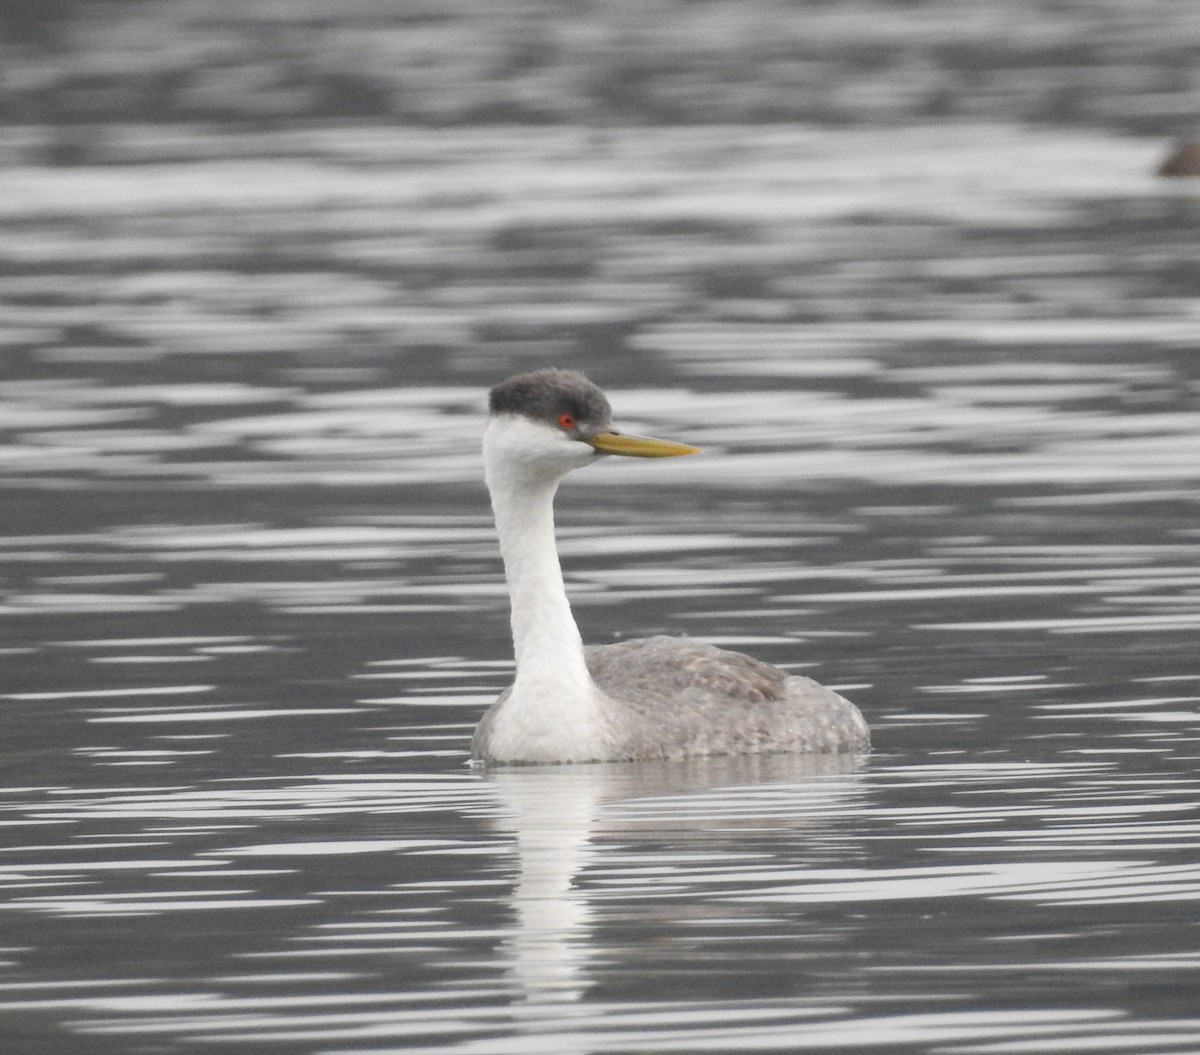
pixel 552 713
pixel 544 630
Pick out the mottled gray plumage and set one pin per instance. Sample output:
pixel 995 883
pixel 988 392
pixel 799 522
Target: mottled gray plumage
pixel 671 697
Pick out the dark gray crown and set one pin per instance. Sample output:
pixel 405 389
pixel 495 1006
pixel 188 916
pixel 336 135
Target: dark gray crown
pixel 544 395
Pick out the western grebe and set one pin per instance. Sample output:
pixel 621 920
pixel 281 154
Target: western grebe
pixel 656 697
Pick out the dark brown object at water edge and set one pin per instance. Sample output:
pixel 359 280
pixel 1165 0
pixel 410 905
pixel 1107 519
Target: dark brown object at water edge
pixel 1184 161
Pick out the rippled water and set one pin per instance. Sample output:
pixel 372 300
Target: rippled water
pixel 253 607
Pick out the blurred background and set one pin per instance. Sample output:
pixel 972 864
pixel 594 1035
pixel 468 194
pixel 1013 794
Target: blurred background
pixel 397 193
pixel 306 201
pixel 466 62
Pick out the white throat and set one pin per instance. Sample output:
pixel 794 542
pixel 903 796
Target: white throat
pixel 553 713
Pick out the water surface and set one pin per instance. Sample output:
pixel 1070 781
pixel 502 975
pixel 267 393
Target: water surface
pixel 253 605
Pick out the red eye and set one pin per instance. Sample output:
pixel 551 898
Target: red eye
pixel 566 421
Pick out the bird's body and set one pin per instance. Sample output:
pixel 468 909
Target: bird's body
pixel 670 698
pixel 657 697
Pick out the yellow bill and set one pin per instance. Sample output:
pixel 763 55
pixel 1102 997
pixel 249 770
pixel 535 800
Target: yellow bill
pixel 637 446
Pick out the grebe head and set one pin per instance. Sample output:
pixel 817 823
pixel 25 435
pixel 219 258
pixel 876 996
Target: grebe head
pixel 544 424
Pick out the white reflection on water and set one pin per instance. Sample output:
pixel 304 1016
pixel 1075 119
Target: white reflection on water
pixel 562 819
pixel 707 854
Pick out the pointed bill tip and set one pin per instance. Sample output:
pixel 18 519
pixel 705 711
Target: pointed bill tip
pixel 638 446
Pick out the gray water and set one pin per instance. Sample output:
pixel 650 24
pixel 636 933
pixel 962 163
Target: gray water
pixel 253 606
